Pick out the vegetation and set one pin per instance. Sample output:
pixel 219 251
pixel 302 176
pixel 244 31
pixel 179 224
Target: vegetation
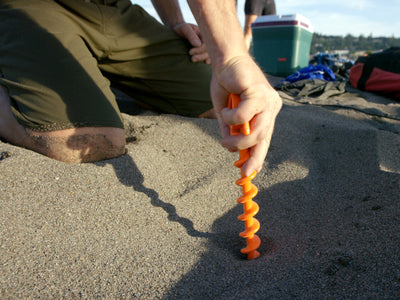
pixel 355 45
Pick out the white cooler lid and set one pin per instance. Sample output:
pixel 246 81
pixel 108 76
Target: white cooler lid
pixel 283 21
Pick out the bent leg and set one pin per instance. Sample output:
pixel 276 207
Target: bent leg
pixel 76 145
pixel 156 70
pixel 84 144
pixel 10 130
pixel 54 99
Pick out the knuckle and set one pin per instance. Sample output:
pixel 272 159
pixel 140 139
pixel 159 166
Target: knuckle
pixel 240 117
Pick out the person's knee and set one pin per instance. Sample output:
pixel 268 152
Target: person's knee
pixel 87 144
pixel 10 130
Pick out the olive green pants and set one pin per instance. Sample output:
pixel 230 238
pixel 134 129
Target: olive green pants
pixel 59 58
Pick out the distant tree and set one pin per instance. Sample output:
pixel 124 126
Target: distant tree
pixel 325 43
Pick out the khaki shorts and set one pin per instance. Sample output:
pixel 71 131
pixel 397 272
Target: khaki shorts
pixel 58 59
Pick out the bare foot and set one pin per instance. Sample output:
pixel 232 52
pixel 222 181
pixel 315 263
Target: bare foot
pixel 209 114
pixel 85 144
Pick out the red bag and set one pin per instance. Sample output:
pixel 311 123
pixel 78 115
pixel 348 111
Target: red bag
pixel 378 72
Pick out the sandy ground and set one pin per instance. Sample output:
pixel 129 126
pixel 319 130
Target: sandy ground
pixel 161 222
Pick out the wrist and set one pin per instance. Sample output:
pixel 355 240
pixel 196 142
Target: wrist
pixel 224 51
pixel 229 59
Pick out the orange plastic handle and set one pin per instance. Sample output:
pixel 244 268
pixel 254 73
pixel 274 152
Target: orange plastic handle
pixel 244 128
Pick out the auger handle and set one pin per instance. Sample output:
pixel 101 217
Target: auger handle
pixel 244 128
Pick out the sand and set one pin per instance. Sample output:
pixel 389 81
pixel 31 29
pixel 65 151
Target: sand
pixel 161 221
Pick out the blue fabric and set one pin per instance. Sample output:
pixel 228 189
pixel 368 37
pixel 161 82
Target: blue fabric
pixel 312 72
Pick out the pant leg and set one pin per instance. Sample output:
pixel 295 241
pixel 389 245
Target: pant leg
pixel 51 75
pixel 150 62
pixel 269 8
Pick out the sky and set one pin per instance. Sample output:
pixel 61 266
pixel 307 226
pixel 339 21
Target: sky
pixel 335 17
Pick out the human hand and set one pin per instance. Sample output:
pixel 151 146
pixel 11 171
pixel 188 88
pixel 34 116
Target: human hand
pixel 260 105
pixel 192 33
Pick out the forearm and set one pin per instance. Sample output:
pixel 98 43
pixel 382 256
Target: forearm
pixel 249 19
pixel 220 28
pixel 169 12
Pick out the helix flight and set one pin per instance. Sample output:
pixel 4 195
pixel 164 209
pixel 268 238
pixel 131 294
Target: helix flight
pixel 249 191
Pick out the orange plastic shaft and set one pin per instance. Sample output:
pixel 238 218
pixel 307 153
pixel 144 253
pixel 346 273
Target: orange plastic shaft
pixel 249 191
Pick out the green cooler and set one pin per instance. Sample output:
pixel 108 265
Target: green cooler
pixel 281 43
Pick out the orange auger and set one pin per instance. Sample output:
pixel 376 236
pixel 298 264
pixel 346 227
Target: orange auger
pixel 249 191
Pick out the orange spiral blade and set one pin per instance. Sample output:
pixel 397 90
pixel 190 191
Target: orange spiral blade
pixel 250 229
pixel 251 245
pixel 249 191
